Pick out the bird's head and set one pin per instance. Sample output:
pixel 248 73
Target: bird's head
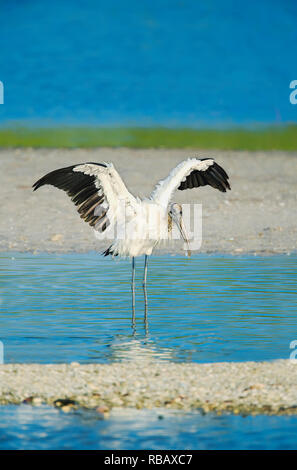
pixel 175 214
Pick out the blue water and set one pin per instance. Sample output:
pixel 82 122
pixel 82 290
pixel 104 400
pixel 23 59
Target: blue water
pixel 77 307
pixel 209 308
pixel 171 62
pixel 26 427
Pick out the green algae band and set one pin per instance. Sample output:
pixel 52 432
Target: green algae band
pixel 272 138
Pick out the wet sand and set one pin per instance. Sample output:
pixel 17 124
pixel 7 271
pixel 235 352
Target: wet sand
pixel 257 216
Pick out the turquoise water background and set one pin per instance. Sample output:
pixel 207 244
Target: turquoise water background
pixel 171 62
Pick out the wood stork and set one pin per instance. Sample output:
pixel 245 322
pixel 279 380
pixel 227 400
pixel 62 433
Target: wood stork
pixel 103 201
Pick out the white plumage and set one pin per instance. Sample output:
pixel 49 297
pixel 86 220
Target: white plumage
pixel 136 226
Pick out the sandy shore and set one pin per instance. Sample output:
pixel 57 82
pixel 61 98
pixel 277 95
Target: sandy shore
pixel 258 215
pixel 245 388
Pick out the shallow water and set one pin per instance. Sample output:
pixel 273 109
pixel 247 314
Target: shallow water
pixel 209 308
pixel 26 427
pixel 77 307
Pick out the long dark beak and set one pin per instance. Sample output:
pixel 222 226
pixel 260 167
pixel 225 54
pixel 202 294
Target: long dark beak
pixel 183 232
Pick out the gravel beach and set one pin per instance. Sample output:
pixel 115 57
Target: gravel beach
pixel 257 216
pixel 241 388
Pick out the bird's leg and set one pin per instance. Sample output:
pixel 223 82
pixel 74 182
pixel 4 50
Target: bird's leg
pixel 145 309
pixel 133 292
pixel 145 270
pixel 145 291
pixel 133 273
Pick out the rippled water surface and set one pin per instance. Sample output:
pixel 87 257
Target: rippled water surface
pixel 77 307
pixel 24 427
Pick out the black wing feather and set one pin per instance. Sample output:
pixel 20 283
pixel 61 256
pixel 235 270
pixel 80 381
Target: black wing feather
pixel 81 188
pixel 214 176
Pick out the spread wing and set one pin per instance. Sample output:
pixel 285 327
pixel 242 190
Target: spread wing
pixel 191 173
pixel 96 189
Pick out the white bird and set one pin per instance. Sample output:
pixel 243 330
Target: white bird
pixel 104 202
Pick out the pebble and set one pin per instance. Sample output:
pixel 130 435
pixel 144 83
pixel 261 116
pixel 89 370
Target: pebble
pixel 241 388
